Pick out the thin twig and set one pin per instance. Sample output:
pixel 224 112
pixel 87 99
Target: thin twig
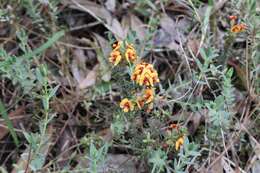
pixel 28 160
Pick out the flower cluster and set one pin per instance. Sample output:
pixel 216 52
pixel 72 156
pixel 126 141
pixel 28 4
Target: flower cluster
pixel 143 74
pixel 145 77
pixel 130 53
pixel 175 136
pixel 146 98
pixel 236 28
pixel 126 105
pixel 116 54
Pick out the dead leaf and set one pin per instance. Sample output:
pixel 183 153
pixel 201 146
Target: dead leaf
pixel 104 45
pixel 216 168
pixel 170 35
pixel 256 167
pixel 167 24
pixel 76 72
pixel 88 6
pixel 111 5
pixel 193 45
pixel 163 38
pixel 182 7
pixel 78 65
pixel 105 69
pixel 126 23
pixel 195 121
pixel 106 135
pixel 100 14
pixel 117 29
pixel 80 56
pixel 90 79
pixel 138 26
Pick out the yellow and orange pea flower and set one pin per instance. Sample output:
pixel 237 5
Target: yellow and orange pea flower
pixel 117 45
pixel 115 57
pixel 232 17
pixel 126 105
pixel 146 98
pixel 179 143
pixel 149 95
pixel 238 28
pixel 145 74
pixel 130 53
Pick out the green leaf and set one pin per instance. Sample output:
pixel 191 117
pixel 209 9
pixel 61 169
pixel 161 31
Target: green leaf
pixel 229 73
pixel 9 123
pixel 45 46
pixel 45 102
pixel 37 162
pixel 53 91
pixel 2 170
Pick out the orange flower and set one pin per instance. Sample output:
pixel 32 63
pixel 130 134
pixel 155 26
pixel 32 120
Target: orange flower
pixel 232 17
pixel 174 126
pixel 115 57
pixel 137 72
pixel 126 105
pixel 147 98
pixel 117 45
pixel 149 95
pixel 144 74
pixel 146 78
pixel 179 143
pixel 130 53
pixel 238 28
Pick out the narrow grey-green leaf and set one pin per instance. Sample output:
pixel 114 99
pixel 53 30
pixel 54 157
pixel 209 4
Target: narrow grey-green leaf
pixel 8 122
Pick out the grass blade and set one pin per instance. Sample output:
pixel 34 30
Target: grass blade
pixel 3 113
pixel 46 45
